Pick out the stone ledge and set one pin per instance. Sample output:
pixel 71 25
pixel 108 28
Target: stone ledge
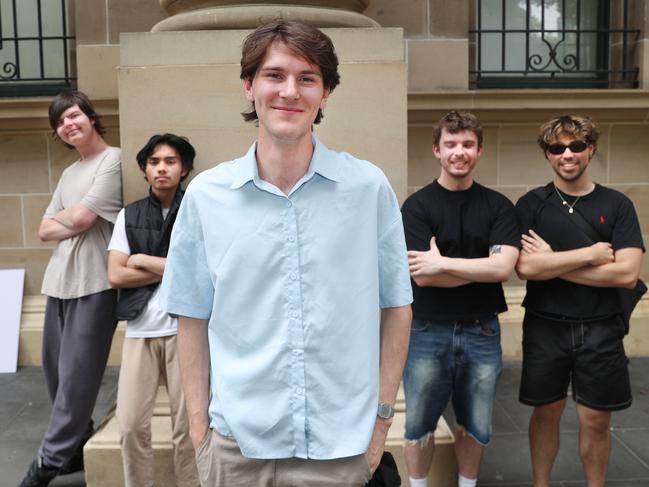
pixel 104 462
pixel 529 105
pixel 636 342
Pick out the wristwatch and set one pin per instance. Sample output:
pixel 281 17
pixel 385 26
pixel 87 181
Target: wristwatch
pixel 385 411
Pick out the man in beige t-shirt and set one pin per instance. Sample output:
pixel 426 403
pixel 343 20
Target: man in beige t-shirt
pixel 80 311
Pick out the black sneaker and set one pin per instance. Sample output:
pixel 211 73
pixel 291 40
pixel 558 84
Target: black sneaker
pixel 39 475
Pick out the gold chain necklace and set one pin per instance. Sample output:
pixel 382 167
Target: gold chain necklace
pixel 570 207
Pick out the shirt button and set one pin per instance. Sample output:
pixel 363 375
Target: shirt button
pixel 299 391
pixel 293 276
pixel 291 238
pixel 295 314
pixel 288 204
pixel 296 352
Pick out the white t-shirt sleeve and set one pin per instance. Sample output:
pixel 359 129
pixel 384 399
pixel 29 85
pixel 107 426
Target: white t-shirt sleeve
pixel 119 240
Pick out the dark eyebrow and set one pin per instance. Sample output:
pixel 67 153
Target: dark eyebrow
pixel 310 72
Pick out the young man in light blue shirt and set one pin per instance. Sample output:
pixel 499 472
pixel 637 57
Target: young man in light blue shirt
pixel 288 270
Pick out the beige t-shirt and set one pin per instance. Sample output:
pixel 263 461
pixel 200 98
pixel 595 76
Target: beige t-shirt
pixel 78 265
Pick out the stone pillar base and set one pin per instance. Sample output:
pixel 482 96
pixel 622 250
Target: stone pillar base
pixel 252 16
pixel 188 83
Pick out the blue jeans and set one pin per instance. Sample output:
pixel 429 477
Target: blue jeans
pixel 458 359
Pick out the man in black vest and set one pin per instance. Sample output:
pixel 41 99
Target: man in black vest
pixel 573 329
pixel 136 262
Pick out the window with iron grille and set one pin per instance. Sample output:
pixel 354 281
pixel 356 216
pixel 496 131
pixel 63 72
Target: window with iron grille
pixel 553 43
pixel 35 47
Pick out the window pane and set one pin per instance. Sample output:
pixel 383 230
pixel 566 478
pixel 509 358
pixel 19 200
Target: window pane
pixel 38 54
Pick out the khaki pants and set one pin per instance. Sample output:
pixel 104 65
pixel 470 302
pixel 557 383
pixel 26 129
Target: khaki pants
pixel 145 361
pixel 220 463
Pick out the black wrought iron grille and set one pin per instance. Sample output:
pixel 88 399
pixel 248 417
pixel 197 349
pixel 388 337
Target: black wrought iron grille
pixel 35 47
pixel 553 43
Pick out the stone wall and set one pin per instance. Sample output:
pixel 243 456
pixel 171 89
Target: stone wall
pixel 437 52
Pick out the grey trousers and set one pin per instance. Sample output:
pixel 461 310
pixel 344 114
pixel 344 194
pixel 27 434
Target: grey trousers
pixel 76 341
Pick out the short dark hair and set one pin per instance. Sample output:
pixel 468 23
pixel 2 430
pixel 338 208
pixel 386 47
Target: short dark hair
pixel 574 126
pixel 303 40
pixel 454 122
pixel 66 99
pixel 181 144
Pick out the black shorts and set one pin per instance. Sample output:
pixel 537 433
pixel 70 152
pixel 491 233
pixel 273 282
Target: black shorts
pixel 590 353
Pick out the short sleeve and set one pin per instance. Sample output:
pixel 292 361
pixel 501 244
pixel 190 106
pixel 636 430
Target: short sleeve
pixel 56 204
pixel 416 224
pixel 626 232
pixel 505 228
pixel 119 239
pixel 104 198
pixel 525 214
pixel 394 277
pixel 187 288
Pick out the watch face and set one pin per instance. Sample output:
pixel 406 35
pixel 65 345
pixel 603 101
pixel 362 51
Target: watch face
pixel 385 411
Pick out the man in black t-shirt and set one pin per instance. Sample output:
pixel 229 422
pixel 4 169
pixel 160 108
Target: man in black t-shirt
pixel 572 330
pixel 463 242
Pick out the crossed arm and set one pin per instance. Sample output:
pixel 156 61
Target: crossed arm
pixel 136 270
pixel 431 268
pixel 67 223
pixel 597 265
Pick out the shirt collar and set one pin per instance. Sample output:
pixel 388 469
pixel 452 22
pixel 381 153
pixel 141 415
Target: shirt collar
pixel 323 162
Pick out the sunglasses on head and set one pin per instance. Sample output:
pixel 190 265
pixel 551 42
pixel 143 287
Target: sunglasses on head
pixel 574 146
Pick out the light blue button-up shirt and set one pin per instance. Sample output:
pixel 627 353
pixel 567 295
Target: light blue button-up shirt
pixel 292 286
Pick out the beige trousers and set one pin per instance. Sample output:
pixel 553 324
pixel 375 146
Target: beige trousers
pixel 221 464
pixel 145 363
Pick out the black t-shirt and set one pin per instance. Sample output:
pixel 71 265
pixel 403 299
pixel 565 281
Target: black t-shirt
pixel 465 224
pixel 613 216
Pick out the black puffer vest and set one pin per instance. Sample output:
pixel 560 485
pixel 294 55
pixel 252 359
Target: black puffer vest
pixel 149 234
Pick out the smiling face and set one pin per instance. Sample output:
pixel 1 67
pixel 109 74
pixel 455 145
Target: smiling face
pixel 163 169
pixel 569 166
pixel 287 93
pixel 457 154
pixel 74 127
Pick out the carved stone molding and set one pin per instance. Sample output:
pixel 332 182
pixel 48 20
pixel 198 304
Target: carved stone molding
pixel 241 14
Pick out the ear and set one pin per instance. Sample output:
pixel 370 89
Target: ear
pixel 247 87
pixel 436 151
pixel 325 97
pixel 479 151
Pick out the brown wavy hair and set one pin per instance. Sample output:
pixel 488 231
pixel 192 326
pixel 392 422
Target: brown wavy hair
pixel 582 128
pixel 303 40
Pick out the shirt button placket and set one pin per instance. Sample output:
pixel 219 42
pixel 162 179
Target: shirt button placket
pixel 295 327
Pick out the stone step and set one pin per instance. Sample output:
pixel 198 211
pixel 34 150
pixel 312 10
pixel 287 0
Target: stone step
pixel 104 462
pixel 636 343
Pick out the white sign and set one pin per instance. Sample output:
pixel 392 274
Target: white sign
pixel 11 302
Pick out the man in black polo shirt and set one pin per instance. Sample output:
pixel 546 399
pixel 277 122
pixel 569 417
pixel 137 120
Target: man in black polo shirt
pixel 573 329
pixel 463 243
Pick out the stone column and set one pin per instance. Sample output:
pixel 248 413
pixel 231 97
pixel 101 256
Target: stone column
pixel 241 14
pixel 183 77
